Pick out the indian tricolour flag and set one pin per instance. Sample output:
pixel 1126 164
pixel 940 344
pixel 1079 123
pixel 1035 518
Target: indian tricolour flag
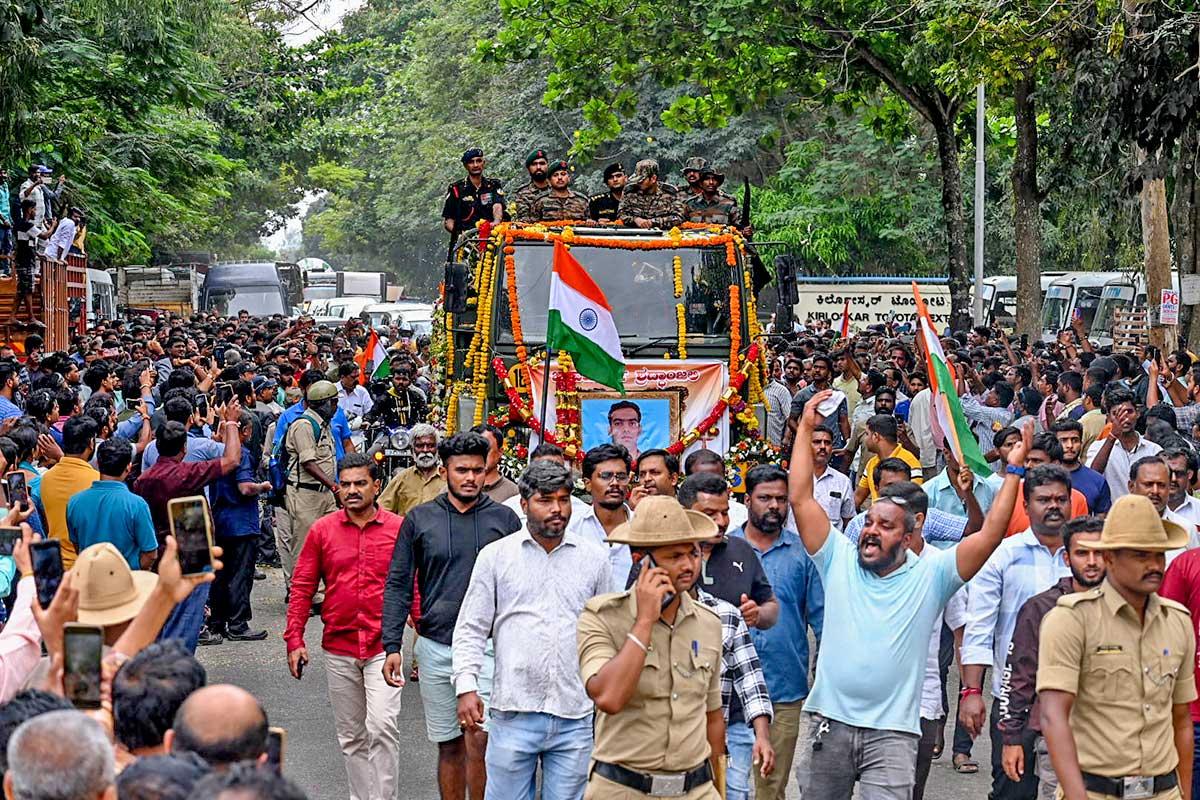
pixel 947 417
pixel 376 356
pixel 581 323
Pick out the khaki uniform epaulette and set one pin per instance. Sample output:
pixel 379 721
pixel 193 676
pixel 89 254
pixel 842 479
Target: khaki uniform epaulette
pixel 1071 600
pixel 603 601
pixel 711 611
pixel 1174 605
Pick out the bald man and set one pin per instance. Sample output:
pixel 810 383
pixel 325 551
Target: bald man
pixel 223 724
pixel 60 754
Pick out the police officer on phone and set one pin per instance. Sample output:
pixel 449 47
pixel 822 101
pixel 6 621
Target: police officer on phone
pixel 1116 670
pixel 650 658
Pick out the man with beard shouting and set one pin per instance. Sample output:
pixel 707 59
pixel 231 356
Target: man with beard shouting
pixel 782 648
pixel 1025 564
pixel 1020 723
pixel 440 541
pixel 862 717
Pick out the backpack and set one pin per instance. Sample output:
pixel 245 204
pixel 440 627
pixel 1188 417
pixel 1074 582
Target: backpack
pixel 279 464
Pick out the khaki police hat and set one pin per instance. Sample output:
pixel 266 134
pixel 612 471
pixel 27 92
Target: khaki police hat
pixel 1133 523
pixel 322 390
pixel 661 521
pixel 645 168
pixel 109 591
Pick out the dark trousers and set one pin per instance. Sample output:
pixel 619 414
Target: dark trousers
pixel 929 730
pixel 962 739
pixel 229 602
pixel 1196 760
pixel 1003 788
pixel 267 552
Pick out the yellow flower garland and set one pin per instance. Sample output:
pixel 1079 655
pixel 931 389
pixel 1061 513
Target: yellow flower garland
pixel 681 317
pixel 677 267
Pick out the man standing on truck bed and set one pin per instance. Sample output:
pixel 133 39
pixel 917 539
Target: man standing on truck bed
pixel 26 255
pixel 649 203
pixel 473 198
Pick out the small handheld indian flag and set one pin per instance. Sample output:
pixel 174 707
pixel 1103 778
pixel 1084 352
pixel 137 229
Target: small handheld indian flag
pixel 376 356
pixel 581 323
pixel 846 320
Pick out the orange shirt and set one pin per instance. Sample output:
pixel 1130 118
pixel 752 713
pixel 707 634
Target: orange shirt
pixel 1020 517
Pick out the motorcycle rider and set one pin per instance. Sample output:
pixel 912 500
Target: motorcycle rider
pixel 402 405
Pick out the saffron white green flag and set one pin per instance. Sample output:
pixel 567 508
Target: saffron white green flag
pixel 581 323
pixel 375 355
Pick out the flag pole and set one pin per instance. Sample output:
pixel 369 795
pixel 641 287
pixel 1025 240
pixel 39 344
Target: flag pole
pixel 545 391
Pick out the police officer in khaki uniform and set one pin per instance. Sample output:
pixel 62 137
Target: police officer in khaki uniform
pixel 1115 670
pixel 312 468
pixel 650 658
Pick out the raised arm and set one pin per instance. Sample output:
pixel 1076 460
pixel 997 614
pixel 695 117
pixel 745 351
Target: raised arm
pixel 975 550
pixel 811 519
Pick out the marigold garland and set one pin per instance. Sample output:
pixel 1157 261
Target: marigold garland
pixel 677 269
pixel 735 325
pixel 681 318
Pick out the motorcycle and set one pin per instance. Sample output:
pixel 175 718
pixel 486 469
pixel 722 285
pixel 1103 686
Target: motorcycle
pixel 391 447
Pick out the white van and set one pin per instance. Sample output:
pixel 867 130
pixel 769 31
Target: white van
pixel 1073 294
pixel 100 296
pixel 1126 291
pixel 1000 298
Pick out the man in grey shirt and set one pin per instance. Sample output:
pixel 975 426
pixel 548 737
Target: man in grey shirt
pixel 527 590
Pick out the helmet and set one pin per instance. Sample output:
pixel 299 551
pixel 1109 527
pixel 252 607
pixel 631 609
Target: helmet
pixel 322 390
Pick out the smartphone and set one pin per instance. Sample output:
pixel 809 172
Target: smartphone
pixel 17 489
pixel 1024 341
pixel 276 742
pixel 650 563
pixel 47 569
pixel 202 405
pixel 83 647
pixel 133 403
pixel 191 525
pixel 223 393
pixel 8 540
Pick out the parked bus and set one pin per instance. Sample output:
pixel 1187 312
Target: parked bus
pixel 1070 295
pixel 255 287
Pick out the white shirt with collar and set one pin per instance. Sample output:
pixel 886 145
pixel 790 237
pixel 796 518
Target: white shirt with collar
pixel 1187 516
pixel 835 493
pixel 355 402
pixel 1116 472
pixel 619 556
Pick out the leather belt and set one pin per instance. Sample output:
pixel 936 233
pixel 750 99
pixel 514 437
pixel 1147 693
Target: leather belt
pixel 656 784
pixel 1130 787
pixel 312 487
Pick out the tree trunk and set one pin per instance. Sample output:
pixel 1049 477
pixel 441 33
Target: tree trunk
pixel 952 212
pixel 1027 212
pixel 1156 242
pixel 1185 215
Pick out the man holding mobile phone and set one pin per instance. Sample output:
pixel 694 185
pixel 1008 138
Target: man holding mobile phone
pixel 673 741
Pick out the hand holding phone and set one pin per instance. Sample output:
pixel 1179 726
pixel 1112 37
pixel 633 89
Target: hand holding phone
pixel 83 649
pixel 191 525
pixel 276 742
pixel 47 569
pixel 654 590
pixel 17 489
pixel 8 540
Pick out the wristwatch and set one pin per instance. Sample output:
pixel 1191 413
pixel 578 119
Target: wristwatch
pixel 1018 471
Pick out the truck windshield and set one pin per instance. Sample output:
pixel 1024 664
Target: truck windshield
pixel 260 301
pixel 639 285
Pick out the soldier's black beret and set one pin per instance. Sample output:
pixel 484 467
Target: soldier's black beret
pixel 474 152
pixel 613 168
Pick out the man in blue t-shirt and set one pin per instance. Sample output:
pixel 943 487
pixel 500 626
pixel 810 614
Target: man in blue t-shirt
pixel 109 512
pixel 1091 484
pixel 236 527
pixel 862 717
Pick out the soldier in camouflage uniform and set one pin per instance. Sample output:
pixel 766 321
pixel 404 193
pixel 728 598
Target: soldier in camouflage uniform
pixel 712 206
pixel 691 173
pixel 647 203
pixel 561 202
pixel 537 164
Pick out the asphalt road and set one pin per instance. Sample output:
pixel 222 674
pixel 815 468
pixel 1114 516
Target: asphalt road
pixel 312 758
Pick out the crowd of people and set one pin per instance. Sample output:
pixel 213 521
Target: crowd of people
pixel 624 626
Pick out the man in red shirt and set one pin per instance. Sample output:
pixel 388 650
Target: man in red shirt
pixel 1181 583
pixel 172 477
pixel 351 550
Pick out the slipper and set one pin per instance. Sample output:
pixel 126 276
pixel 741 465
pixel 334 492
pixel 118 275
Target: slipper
pixel 964 765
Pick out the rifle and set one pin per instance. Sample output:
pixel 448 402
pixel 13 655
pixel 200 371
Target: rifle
pixel 760 276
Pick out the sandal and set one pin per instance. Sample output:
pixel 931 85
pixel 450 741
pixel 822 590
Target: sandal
pixel 964 765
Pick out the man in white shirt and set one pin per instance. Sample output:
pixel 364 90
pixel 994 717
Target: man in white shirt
pixel 1113 455
pixel 526 592
pixel 354 400
pixel 63 236
pixel 1183 466
pixel 1150 476
pixel 832 489
pixel 606 478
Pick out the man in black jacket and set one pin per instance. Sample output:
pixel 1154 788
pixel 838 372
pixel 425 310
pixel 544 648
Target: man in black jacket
pixel 439 541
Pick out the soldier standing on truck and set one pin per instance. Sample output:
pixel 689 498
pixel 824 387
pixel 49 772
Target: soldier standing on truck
pixel 536 163
pixel 650 203
pixel 473 198
pixel 712 206
pixel 603 207
pixel 561 202
pixel 692 170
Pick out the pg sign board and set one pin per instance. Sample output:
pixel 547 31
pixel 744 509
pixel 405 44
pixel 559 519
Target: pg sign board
pixel 1168 313
pixel 872 301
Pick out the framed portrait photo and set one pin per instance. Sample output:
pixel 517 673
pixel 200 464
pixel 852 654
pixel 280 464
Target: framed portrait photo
pixel 639 421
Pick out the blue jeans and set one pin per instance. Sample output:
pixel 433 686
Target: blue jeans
pixel 517 740
pixel 187 619
pixel 739 741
